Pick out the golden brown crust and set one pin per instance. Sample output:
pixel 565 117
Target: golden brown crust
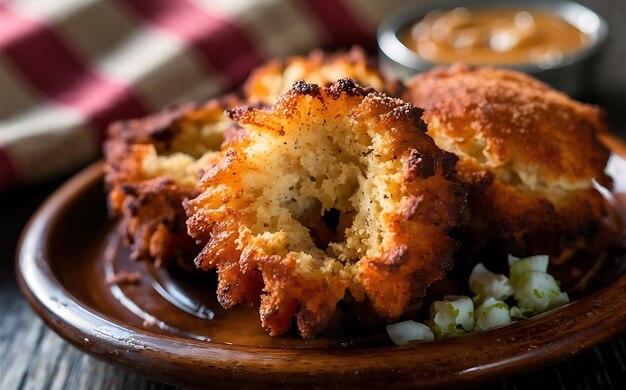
pixel 530 154
pixel 152 164
pixel 148 199
pixel 364 155
pixel 276 77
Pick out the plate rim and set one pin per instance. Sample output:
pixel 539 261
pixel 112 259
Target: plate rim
pixel 170 359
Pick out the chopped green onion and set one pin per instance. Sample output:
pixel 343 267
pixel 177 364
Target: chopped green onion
pixel 520 314
pixel 533 263
pixel 492 313
pixel 464 310
pixel 486 284
pixel 537 291
pixel 453 316
pixel 534 290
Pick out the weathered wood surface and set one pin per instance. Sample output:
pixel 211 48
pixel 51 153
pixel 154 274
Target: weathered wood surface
pixel 33 357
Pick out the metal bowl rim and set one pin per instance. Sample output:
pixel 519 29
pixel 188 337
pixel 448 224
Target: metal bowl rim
pixel 390 45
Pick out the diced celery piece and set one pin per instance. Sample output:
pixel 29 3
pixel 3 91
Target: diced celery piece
pixel 531 286
pixel 519 314
pixel 464 309
pixel 442 319
pixel 533 263
pixel 560 300
pixel 537 290
pixel 453 316
pixel 492 313
pixel 486 284
pixel 403 332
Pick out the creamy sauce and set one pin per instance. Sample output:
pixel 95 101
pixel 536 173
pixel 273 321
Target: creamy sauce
pixel 493 36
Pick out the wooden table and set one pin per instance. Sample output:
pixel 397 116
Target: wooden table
pixel 33 357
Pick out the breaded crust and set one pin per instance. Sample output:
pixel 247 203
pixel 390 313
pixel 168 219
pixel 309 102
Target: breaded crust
pixel 529 153
pixel 276 77
pixel 152 164
pixel 360 156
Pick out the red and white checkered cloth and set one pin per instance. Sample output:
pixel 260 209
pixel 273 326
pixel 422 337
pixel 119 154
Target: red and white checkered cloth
pixel 70 67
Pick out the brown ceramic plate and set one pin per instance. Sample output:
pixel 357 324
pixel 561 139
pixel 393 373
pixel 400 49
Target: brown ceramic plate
pixel 168 326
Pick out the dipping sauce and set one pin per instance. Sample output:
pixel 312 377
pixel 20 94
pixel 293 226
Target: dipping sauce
pixel 493 36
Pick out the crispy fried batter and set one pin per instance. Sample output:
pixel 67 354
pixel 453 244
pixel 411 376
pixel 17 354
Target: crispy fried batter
pixel 363 157
pixel 529 153
pixel 153 164
pixel 275 78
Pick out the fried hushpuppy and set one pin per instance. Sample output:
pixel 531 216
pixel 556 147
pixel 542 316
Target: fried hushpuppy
pixel 152 164
pixel 341 150
pixel 530 155
pixel 276 77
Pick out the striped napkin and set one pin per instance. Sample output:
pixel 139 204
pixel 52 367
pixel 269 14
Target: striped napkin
pixel 68 68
